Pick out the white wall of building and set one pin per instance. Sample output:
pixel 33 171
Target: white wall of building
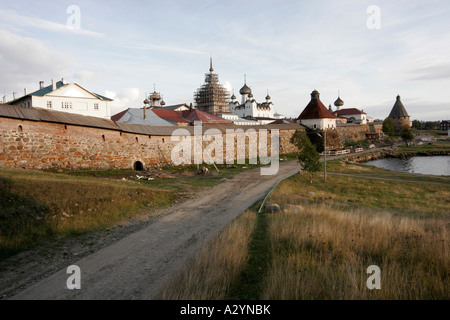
pixel 84 106
pixel 320 124
pixel 70 98
pixel 357 118
pixel 250 108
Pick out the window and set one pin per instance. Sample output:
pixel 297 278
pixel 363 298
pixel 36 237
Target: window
pixel 66 105
pixel 49 105
pixel 95 106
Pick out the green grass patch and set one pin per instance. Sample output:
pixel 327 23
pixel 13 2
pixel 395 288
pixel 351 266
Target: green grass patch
pixel 434 146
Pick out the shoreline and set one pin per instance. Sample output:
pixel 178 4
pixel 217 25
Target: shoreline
pixel 384 154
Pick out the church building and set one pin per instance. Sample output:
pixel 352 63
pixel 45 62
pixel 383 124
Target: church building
pixel 353 115
pixel 249 108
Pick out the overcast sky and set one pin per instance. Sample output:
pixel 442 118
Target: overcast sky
pixel 369 51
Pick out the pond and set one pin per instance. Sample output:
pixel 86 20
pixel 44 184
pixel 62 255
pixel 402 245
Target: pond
pixel 432 165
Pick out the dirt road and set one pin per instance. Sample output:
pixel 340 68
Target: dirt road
pixel 138 265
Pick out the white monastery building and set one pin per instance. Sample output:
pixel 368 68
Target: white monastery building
pixel 249 108
pixel 63 96
pixel 353 115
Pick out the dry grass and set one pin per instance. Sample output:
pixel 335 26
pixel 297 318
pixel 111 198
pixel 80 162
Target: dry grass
pixel 399 197
pixel 323 250
pixel 37 204
pixel 216 266
pixel 323 253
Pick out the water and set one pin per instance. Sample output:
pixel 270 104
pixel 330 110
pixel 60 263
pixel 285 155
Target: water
pixel 434 165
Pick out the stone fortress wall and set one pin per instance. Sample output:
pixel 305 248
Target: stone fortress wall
pixel 40 142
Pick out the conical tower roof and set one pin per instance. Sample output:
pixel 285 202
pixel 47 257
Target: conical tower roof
pixel 315 109
pixel 398 110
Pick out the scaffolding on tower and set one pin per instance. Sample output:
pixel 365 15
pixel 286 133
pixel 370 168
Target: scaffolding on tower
pixel 212 97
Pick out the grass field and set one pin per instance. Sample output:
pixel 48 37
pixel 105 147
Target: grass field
pixel 323 249
pixel 427 147
pixel 37 204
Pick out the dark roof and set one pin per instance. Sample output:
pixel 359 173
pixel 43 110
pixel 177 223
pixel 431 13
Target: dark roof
pixel 348 111
pixel 197 115
pixel 170 115
pixel 38 114
pixel 42 92
pixel 339 102
pixel 46 90
pixel 245 89
pixel 119 115
pixel 398 110
pixel 102 97
pixel 315 109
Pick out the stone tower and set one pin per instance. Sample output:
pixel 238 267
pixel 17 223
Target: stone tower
pixel 399 115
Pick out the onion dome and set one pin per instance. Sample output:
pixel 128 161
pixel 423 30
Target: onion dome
pixel 339 102
pixel 162 103
pixel 245 90
pixel 146 101
pixel 233 97
pixel 155 96
pixel 268 97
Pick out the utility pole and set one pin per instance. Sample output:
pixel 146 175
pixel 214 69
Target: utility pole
pixel 325 155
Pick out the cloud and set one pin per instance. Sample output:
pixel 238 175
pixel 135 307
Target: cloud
pixel 433 72
pixel 126 98
pixel 173 49
pixel 228 86
pixel 12 18
pixel 85 75
pixel 25 59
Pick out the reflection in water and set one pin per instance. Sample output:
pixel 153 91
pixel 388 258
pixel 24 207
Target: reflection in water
pixel 435 165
